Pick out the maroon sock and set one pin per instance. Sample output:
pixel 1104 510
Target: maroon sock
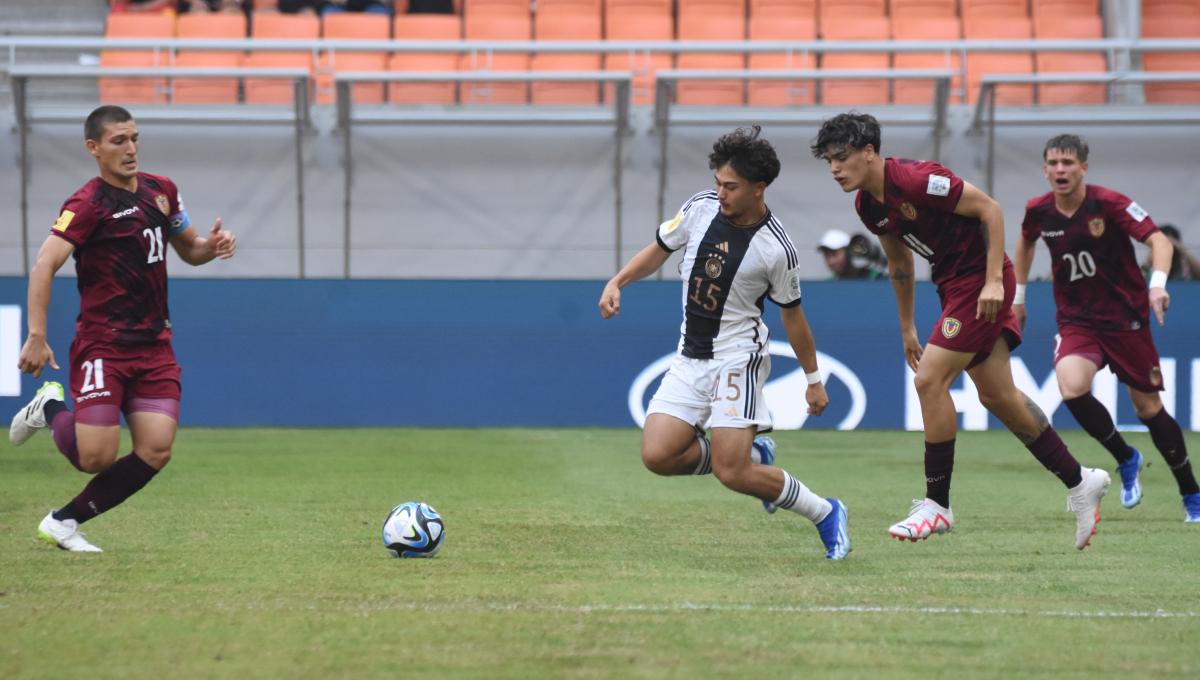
pixel 110 488
pixel 1168 438
pixel 1051 452
pixel 1095 420
pixel 939 463
pixel 62 428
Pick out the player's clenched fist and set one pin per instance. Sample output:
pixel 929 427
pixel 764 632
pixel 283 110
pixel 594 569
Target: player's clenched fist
pixel 610 301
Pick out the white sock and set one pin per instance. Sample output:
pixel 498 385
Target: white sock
pixel 797 498
pixel 704 467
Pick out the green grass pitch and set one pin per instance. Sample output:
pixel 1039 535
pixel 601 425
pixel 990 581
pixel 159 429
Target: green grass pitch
pixel 257 554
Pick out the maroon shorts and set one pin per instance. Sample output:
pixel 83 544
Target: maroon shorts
pixel 1130 354
pixel 106 374
pixel 959 331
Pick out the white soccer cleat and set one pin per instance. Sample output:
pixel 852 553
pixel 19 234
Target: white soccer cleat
pixel 65 534
pixel 925 518
pixel 1084 501
pixel 30 418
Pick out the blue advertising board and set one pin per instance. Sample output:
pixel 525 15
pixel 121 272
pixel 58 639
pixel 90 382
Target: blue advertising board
pixel 537 353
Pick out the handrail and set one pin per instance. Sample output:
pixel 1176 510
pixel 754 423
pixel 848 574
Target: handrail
pixel 665 93
pixel 465 114
pixel 20 75
pixel 985 104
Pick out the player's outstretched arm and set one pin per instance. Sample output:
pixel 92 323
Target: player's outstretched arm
pixel 645 263
pixel 799 334
pixel 975 203
pixel 36 352
pixel 1022 263
pixel 195 250
pixel 1161 252
pixel 900 268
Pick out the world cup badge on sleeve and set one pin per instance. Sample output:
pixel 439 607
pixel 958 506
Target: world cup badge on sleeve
pixel 950 327
pixel 1096 226
pixel 908 210
pixel 163 204
pixel 1156 376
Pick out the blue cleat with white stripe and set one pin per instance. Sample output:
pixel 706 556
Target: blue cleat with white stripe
pixel 835 531
pixel 1191 506
pixel 763 453
pixel 1131 486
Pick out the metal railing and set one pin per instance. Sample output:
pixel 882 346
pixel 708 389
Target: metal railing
pixel 986 114
pixel 296 114
pixel 615 114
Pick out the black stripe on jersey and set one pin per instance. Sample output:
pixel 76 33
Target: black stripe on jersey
pixel 790 250
pixel 725 245
pixel 703 195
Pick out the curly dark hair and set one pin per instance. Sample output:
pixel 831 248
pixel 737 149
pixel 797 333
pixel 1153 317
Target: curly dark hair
pixel 93 127
pixel 1068 143
pixel 853 130
pixel 748 154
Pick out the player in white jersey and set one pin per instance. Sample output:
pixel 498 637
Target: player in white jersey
pixel 736 254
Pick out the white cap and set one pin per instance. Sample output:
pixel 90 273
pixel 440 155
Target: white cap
pixel 834 239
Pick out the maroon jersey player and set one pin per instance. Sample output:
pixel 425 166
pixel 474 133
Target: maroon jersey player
pixel 116 226
pixel 921 207
pixel 1104 306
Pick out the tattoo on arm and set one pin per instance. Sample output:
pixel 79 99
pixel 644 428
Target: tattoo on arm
pixel 901 276
pixel 1041 422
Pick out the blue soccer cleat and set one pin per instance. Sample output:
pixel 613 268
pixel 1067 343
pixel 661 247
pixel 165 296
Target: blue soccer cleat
pixel 764 446
pixel 1191 505
pixel 1131 486
pixel 835 531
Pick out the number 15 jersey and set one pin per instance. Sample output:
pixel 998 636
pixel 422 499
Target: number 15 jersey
pixel 120 240
pixel 1097 281
pixel 727 272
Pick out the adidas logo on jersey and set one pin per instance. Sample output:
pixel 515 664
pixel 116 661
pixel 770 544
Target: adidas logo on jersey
pixel 723 246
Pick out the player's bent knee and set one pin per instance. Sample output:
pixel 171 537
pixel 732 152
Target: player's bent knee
pixel 732 476
pixel 156 458
pixel 95 460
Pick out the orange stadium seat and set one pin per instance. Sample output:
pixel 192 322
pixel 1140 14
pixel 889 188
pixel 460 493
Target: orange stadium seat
pixel 795 9
pixel 977 27
pixel 1085 27
pixel 909 27
pixel 712 8
pixel 208 90
pixel 566 23
pixel 503 27
pixel 354 26
pixel 1171 93
pixel 853 92
pixel 1065 8
pixel 636 25
pixel 627 7
pixel 912 9
pixel 425 27
pixel 703 27
pixel 590 6
pixel 994 8
pixel 1170 8
pixel 781 92
pixel 516 8
pixel 270 26
pixel 135 90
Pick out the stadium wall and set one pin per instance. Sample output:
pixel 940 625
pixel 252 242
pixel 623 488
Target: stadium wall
pixel 537 353
pixel 442 202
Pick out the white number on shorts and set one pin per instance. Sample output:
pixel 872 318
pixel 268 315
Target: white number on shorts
pixel 93 375
pixel 1082 265
pixel 154 236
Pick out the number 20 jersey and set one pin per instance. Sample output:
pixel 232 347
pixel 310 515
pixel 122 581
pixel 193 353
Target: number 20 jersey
pixel 1097 281
pixel 120 240
pixel 727 272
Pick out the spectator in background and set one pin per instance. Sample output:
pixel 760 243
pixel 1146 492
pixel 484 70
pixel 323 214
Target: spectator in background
pixel 429 6
pixel 142 6
pixel 851 257
pixel 372 6
pixel 1184 265
pixel 213 6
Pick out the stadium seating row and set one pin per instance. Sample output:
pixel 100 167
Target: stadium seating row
pixel 564 23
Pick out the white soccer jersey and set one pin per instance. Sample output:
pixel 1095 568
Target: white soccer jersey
pixel 727 271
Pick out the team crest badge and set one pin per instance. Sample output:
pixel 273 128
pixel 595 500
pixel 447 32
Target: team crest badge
pixel 908 211
pixel 1156 376
pixel 163 204
pixel 1096 226
pixel 950 327
pixel 713 267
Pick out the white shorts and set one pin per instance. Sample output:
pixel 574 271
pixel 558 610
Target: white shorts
pixel 710 393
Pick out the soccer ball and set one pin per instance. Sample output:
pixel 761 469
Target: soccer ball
pixel 413 529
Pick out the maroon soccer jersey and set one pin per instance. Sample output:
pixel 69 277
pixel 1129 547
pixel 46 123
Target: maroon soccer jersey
pixel 919 201
pixel 1097 281
pixel 120 240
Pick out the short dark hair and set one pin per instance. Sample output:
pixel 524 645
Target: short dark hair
pixel 1068 143
pixel 93 127
pixel 853 129
pixel 748 154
